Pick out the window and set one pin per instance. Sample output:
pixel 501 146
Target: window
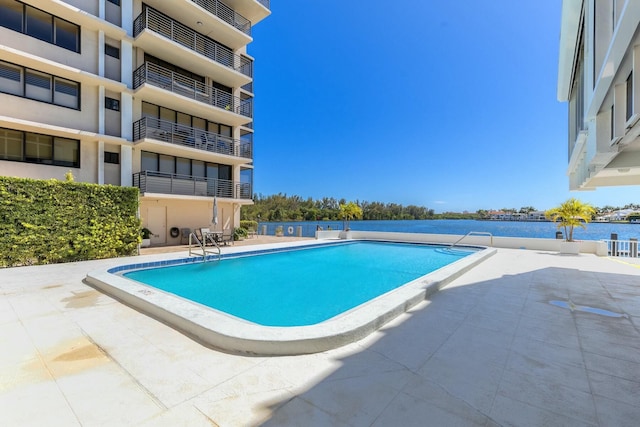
pixel 66 35
pixel 183 166
pixel 10 145
pixel 116 2
pixel 11 79
pixel 630 95
pixel 11 14
pixel 39 86
pixel 113 158
pixel 66 152
pixel 612 130
pixel 37 23
pixel 111 104
pixel 37 148
pixel 66 93
pixel 154 162
pixel 112 51
pixel 149 161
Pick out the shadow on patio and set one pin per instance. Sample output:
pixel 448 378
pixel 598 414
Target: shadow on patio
pixel 492 352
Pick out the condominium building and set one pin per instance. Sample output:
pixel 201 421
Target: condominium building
pixel 599 76
pixel 154 94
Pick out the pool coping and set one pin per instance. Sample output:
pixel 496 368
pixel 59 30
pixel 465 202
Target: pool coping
pixel 232 334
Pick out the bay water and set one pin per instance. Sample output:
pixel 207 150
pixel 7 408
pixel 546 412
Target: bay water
pixel 540 229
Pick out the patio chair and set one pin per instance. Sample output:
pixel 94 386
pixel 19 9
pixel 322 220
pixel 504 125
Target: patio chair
pixel 206 237
pixel 227 236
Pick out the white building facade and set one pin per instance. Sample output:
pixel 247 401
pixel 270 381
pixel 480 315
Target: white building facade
pixel 599 76
pixel 154 94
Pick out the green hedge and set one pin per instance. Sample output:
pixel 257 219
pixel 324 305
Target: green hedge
pixel 249 225
pixel 51 221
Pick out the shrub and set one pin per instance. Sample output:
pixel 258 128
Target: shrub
pixel 51 221
pixel 239 233
pixel 249 225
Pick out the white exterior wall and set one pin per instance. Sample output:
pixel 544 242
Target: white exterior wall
pixel 100 130
pixel 610 53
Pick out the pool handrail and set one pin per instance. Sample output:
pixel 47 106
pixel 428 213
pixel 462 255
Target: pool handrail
pixel 472 233
pixel 203 246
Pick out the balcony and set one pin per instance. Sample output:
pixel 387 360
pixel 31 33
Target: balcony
pixel 190 137
pixel 187 185
pixel 228 108
pixel 153 28
pixel 226 14
pixel 254 10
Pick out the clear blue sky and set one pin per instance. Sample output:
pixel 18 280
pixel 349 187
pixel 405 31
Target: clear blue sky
pixel 448 105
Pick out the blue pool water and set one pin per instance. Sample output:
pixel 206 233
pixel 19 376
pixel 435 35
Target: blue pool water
pixel 299 287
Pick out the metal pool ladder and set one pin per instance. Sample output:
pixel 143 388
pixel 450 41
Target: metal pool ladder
pixel 473 233
pixel 203 247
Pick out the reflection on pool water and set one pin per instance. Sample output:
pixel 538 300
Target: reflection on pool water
pixel 300 287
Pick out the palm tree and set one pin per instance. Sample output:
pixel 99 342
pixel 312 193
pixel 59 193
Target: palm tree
pixel 569 214
pixel 348 212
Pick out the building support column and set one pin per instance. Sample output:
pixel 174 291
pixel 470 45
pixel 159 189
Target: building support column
pixel 126 63
pixel 126 166
pixel 100 162
pixel 126 6
pixel 101 53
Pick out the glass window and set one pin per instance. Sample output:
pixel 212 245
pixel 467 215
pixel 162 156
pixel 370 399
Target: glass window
pixel 112 51
pixel 67 35
pixel 39 24
pixel 116 2
pixel 149 110
pixel 111 104
pixel 38 86
pixel 11 14
pixel 10 145
pixel 246 175
pixel 184 119
pixel 149 162
pixel 66 152
pixel 113 158
pixel 225 130
pixel 630 96
pixel 11 79
pixel 197 168
pixel 167 114
pixel 66 93
pixel 167 164
pixel 212 171
pixel 224 172
pixel 183 166
pixel 38 148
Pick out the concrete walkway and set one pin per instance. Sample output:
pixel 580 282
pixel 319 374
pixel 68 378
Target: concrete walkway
pixel 488 350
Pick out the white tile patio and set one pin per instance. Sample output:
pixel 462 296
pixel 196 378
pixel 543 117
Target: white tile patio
pixel 487 350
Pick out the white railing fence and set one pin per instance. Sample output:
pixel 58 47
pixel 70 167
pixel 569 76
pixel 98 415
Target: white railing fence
pixel 623 248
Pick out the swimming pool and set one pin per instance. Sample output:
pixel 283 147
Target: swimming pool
pixel 234 333
pixel 302 287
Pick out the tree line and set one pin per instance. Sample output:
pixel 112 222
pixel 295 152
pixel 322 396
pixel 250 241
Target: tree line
pixel 280 207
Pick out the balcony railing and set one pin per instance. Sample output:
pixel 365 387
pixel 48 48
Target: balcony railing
pixel 226 14
pixel 175 133
pixel 186 86
pixel 188 185
pixel 160 23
